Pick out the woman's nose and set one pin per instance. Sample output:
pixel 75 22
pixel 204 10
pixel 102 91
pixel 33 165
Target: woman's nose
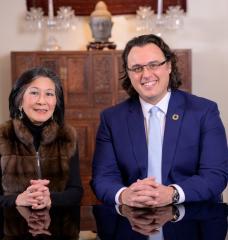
pixel 41 98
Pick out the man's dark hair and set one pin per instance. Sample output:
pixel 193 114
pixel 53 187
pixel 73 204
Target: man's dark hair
pixel 174 80
pixel 21 84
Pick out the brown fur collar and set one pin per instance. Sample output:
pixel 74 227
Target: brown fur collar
pixel 48 135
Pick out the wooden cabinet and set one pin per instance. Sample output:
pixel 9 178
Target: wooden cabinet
pixel 91 83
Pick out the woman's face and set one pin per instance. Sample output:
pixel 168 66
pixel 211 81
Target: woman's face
pixel 39 100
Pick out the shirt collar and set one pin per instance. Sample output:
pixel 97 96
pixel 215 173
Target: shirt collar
pixel 162 104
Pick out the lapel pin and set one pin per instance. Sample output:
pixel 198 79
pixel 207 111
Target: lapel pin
pixel 175 117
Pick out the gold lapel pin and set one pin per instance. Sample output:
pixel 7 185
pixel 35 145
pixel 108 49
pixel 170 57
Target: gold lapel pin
pixel 175 117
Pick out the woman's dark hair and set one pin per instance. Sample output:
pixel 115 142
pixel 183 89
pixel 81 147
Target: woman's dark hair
pixel 174 80
pixel 21 84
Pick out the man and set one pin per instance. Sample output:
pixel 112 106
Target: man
pixel 193 158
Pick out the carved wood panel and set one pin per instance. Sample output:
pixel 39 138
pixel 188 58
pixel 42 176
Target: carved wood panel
pixel 52 62
pixel 91 83
pixel 83 7
pixel 78 85
pixel 21 62
pixel 103 80
pixel 184 57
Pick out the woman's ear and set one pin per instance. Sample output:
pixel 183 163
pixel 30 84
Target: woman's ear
pixel 21 112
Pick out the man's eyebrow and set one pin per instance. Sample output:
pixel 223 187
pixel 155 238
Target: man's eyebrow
pixel 139 65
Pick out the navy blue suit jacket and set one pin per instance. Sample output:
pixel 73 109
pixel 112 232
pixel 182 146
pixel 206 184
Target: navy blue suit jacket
pixel 194 155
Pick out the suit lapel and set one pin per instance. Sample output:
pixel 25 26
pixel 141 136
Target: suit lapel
pixel 173 123
pixel 137 135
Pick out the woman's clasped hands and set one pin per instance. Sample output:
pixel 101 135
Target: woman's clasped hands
pixel 36 196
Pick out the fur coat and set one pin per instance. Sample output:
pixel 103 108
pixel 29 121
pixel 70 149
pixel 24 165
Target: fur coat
pixel 19 158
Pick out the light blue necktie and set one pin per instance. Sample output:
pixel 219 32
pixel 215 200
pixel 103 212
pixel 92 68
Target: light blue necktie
pixel 157 236
pixel 154 145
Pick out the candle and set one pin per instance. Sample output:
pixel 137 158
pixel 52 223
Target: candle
pixel 50 9
pixel 160 8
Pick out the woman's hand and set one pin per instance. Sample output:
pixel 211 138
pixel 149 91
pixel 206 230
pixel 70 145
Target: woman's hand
pixel 38 221
pixel 37 195
pixel 27 198
pixel 44 200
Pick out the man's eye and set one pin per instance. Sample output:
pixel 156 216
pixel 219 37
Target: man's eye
pixel 138 69
pixel 153 65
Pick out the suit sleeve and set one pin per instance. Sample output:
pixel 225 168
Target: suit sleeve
pixel 211 175
pixel 106 175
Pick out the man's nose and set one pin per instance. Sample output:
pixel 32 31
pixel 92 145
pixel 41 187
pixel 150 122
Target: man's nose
pixel 146 71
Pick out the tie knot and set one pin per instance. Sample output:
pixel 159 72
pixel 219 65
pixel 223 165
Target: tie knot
pixel 153 111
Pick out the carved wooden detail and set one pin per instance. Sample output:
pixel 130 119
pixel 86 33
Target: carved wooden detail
pixel 184 57
pixel 103 78
pixel 91 83
pixel 26 61
pixel 77 87
pixel 83 7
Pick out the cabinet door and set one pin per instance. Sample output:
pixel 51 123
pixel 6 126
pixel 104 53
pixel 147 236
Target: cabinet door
pixel 20 62
pixel 103 79
pixel 51 60
pixel 184 65
pixel 121 95
pixel 78 84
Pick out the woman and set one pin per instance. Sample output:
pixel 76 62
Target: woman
pixel 39 153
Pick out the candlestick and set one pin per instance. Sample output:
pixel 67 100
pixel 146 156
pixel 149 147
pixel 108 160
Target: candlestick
pixel 172 19
pixel 65 20
pixel 159 8
pixel 50 9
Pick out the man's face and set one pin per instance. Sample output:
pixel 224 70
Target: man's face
pixel 151 81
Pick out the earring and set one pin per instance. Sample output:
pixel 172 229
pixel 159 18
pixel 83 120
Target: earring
pixel 20 112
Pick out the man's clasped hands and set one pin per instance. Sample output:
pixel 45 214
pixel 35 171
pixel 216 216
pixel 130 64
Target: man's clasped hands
pixel 146 193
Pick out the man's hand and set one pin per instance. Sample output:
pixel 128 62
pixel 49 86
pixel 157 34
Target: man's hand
pixel 163 197
pixel 146 193
pixel 147 221
pixel 140 193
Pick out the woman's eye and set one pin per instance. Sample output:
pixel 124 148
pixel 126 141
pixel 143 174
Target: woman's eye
pixel 50 94
pixel 34 93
